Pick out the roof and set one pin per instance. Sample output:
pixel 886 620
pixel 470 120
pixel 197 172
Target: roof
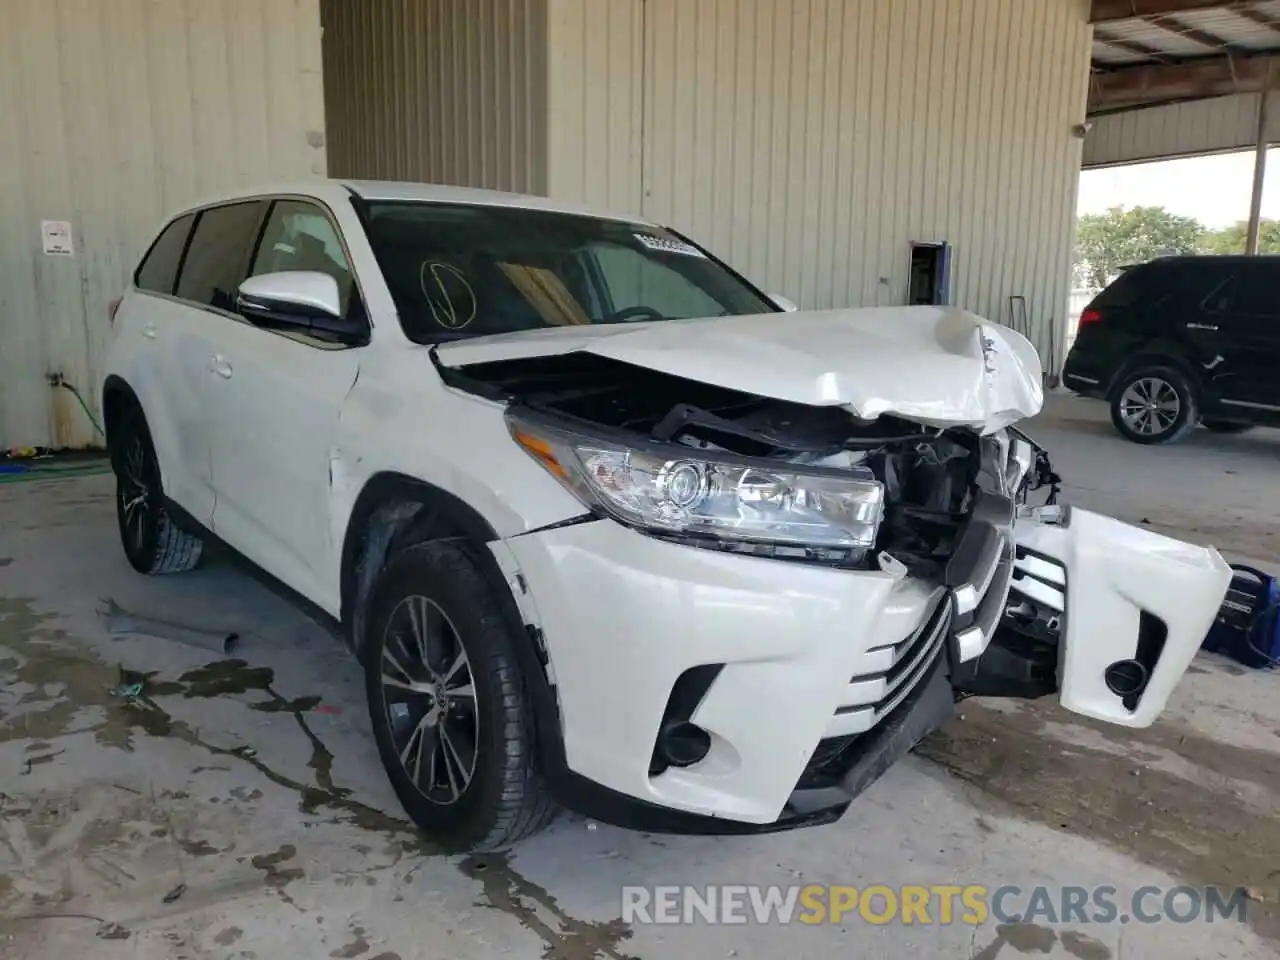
pixel 334 190
pixel 1150 52
pixel 438 193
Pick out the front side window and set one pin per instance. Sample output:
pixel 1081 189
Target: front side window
pixel 218 256
pixel 159 268
pixel 460 271
pixel 298 236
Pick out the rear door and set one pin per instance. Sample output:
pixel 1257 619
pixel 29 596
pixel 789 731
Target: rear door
pixel 1242 321
pixel 160 335
pixel 215 254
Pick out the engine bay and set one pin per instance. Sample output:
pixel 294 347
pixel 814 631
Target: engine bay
pixel 930 475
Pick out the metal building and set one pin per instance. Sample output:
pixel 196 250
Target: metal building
pixel 811 142
pixel 1178 78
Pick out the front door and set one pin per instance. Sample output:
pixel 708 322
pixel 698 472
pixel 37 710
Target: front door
pixel 277 398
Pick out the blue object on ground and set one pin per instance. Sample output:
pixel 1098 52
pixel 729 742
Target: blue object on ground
pixel 13 468
pixel 1248 625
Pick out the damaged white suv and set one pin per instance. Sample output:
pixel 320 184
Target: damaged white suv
pixel 607 526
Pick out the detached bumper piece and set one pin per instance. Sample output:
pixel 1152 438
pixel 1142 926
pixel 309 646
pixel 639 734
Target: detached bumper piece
pixel 1106 614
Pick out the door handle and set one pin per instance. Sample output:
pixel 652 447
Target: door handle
pixel 149 330
pixel 1202 326
pixel 221 366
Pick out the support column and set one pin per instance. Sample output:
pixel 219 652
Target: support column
pixel 1259 168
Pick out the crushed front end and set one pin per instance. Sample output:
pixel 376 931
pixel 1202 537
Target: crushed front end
pixel 732 683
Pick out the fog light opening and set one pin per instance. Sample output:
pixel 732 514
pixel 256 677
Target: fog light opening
pixel 1126 679
pixel 682 744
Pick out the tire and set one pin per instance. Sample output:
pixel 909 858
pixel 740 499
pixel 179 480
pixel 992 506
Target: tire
pixel 152 542
pixel 471 692
pixel 1227 426
pixel 1154 405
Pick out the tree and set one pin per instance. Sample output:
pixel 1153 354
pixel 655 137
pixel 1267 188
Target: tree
pixel 1231 239
pixel 1105 242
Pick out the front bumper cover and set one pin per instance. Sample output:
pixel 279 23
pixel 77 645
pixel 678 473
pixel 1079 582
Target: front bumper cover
pixel 619 617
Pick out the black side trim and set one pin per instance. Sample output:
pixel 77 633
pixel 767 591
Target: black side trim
pixel 185 522
pixel 570 522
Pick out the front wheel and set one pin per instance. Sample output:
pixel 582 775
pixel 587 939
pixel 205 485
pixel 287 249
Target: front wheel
pixel 1154 405
pixel 448 704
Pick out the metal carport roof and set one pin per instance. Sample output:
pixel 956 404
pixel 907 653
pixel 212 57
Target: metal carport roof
pixel 1152 52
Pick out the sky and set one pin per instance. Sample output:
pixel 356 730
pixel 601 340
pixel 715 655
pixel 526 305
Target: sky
pixel 1215 190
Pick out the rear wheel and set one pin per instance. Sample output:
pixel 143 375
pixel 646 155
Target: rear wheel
pixel 1227 426
pixel 1154 405
pixel 448 705
pixel 152 542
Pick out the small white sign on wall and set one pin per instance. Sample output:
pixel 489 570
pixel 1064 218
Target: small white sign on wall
pixel 56 237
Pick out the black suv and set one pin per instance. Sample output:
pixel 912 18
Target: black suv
pixel 1180 341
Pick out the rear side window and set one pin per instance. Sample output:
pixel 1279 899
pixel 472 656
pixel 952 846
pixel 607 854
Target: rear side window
pixel 218 256
pixel 159 268
pixel 1179 281
pixel 1257 292
pixel 1131 288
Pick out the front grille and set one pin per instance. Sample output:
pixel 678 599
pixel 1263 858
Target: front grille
pixel 977 581
pixel 897 668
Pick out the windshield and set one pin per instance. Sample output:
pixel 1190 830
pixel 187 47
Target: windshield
pixel 464 271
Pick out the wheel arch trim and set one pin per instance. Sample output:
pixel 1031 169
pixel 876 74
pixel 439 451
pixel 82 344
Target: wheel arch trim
pixel 416 510
pixel 116 391
pixel 1156 358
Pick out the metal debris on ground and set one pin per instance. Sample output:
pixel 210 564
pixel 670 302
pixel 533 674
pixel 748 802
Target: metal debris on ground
pixel 112 931
pixel 121 621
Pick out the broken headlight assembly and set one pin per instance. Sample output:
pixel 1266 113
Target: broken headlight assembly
pixel 752 506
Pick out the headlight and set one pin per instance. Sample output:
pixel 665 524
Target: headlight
pixel 664 490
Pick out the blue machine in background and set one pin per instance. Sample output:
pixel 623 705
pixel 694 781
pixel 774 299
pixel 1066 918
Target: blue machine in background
pixel 1248 624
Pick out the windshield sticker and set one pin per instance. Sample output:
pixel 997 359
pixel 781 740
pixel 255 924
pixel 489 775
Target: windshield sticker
pixel 669 245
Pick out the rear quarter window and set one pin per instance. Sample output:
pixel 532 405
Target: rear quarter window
pixel 159 268
pixel 1154 284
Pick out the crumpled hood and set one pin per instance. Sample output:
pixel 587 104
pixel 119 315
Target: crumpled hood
pixel 939 366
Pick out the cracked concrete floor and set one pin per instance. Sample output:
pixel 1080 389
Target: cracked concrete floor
pixel 251 788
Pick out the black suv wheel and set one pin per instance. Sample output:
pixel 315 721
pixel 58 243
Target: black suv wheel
pixel 1154 405
pixel 447 701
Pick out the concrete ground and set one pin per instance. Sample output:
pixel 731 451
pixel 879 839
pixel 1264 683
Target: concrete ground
pixel 252 789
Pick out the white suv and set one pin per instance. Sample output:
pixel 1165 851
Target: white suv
pixel 607 526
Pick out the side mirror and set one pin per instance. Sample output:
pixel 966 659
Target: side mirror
pixel 296 300
pixel 782 303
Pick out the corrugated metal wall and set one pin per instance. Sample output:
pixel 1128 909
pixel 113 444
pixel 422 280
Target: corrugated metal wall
pixel 811 140
pixel 443 91
pixel 1179 130
pixel 112 114
pixel 595 91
